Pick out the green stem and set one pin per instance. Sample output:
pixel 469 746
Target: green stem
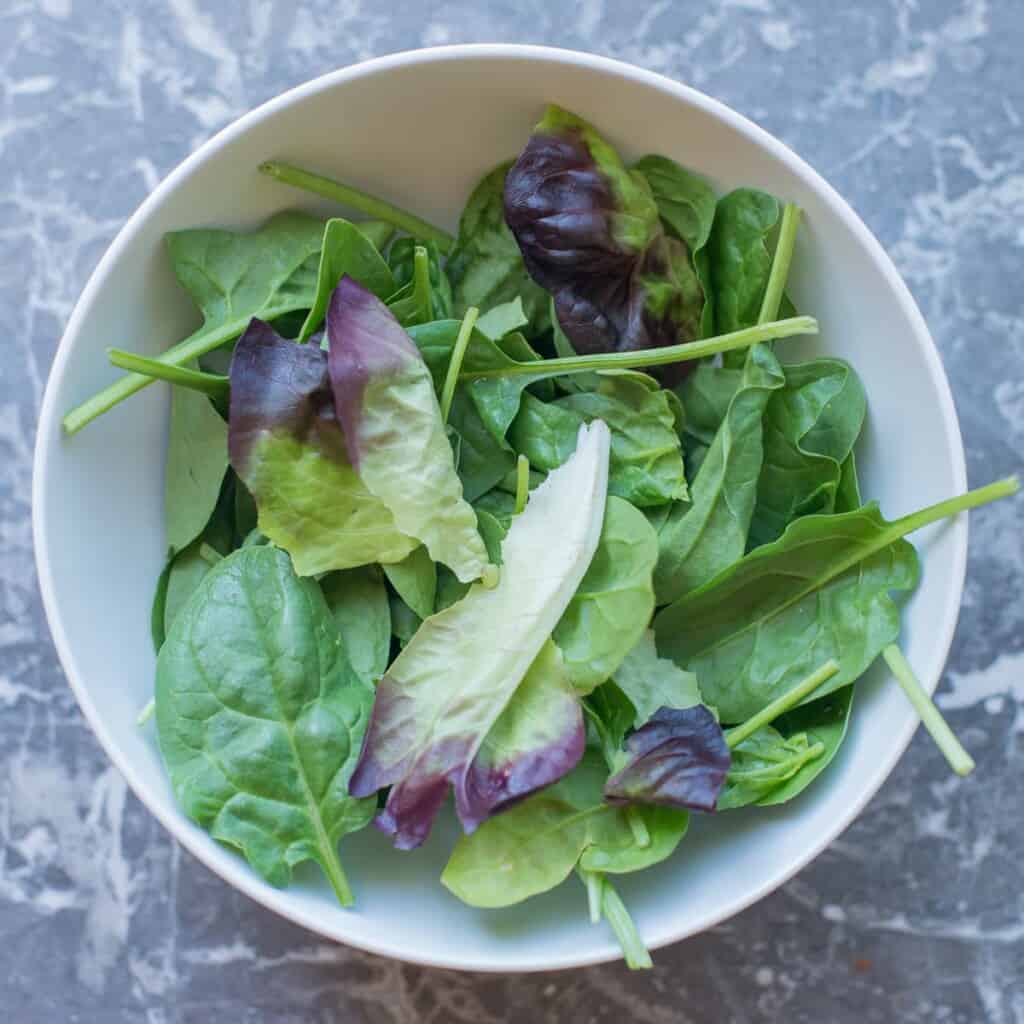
pixel 146 713
pixel 522 483
pixel 780 264
pixel 655 356
pixel 615 912
pixel 215 385
pixel 641 836
pixel 959 760
pixel 782 704
pixel 594 882
pixel 209 554
pixel 356 199
pixel 451 378
pixel 421 277
pixel 1004 488
pixel 336 876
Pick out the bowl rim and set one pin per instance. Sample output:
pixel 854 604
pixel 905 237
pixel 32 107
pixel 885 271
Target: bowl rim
pixel 239 875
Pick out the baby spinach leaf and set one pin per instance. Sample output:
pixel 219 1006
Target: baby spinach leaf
pixel 702 538
pixel 504 319
pixel 448 687
pixel 763 763
pixel 197 459
pixel 486 267
pixel 288 449
pixel 613 604
pixel 232 277
pixel 686 203
pixel 415 579
pixel 393 430
pixel 810 427
pixel 404 621
pixel 260 717
pixel 647 463
pixel 820 591
pixel 358 601
pixel 483 461
pixel 651 682
pixel 740 262
pixel 589 233
pixel 377 232
pixel 187 570
pixel 346 250
pixel 678 758
pixel 706 394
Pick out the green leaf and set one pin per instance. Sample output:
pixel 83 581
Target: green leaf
pixel 346 250
pixel 651 682
pixel 232 277
pixel 483 461
pixel 157 609
pixel 504 319
pixel 402 260
pixel 377 232
pixel 646 464
pixel 486 266
pixel 197 459
pixel 358 600
pixel 706 394
pixel 415 579
pixel 709 534
pixel 612 606
pixel 810 427
pixel 260 717
pixel 739 260
pixel 761 764
pixel 404 621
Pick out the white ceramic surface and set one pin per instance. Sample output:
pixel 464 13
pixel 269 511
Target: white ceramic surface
pixel 420 128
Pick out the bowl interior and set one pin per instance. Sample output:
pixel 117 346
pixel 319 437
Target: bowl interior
pixel 421 129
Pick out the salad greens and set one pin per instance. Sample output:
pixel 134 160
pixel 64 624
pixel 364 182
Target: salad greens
pixel 538 513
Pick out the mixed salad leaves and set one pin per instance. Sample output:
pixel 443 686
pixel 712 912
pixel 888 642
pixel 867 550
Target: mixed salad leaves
pixel 431 525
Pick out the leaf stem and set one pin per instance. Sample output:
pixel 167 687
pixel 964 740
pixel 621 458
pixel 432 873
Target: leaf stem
pixel 1004 488
pixel 780 264
pixel 782 704
pixel 357 199
pixel 637 825
pixel 421 278
pixel 522 483
pixel 336 876
pixel 146 713
pixel 594 882
pixel 654 356
pixel 451 378
pixel 215 385
pixel 615 913
pixel 959 760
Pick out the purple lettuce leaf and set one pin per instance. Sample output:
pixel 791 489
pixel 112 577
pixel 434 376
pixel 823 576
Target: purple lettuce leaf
pixel 679 758
pixel 394 434
pixel 286 445
pixel 589 233
pixel 479 697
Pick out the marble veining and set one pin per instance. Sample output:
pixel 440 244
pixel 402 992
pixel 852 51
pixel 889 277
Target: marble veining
pixel 913 109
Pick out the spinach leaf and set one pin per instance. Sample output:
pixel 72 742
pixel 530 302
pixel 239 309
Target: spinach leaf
pixel 393 430
pixel 445 691
pixel 651 682
pixel 260 717
pixel 486 267
pixel 157 609
pixel 740 262
pixel 613 604
pixel 415 579
pixel 647 462
pixel 704 537
pixel 287 447
pixel 358 601
pixel 197 459
pixel 820 592
pixel 377 232
pixel 504 319
pixel 483 461
pixel 810 427
pixel 706 394
pixel 686 203
pixel 345 250
pixel 589 233
pixel 404 621
pixel 232 277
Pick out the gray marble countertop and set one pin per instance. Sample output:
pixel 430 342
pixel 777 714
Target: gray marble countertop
pixel 914 111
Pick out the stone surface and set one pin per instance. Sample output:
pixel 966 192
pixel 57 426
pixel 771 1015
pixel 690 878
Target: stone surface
pixel 914 111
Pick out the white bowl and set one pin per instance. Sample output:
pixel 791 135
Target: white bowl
pixel 420 128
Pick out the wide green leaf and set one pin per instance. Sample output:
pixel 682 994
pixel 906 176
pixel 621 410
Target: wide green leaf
pixel 197 459
pixel 261 717
pixel 702 538
pixel 358 600
pixel 415 579
pixel 346 250
pixel 613 604
pixel 651 682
